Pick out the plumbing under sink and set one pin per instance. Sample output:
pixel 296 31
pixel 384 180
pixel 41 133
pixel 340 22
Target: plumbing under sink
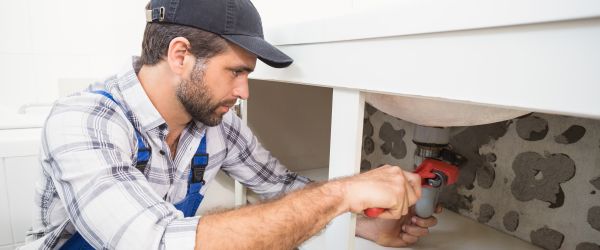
pixel 439 113
pixel 434 118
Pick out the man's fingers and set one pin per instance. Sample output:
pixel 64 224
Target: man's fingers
pixel 391 213
pixel 415 182
pixel 415 230
pixel 425 222
pixel 411 194
pixel 397 190
pixel 401 240
pixel 409 239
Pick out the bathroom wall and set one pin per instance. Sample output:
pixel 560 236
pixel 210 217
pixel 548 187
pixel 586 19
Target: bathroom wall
pixel 536 177
pixel 45 43
pixel 52 47
pixel 49 48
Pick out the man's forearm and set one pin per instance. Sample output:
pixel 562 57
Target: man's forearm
pixel 283 223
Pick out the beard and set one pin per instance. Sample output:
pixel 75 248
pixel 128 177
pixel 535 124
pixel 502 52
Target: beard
pixel 195 97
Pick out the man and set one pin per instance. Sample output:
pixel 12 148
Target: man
pixel 125 162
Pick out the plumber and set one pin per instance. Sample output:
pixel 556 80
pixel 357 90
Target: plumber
pixel 124 164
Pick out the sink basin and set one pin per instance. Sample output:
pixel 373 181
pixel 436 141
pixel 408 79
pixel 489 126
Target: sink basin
pixel 439 113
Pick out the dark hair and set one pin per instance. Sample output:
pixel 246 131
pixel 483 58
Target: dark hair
pixel 157 37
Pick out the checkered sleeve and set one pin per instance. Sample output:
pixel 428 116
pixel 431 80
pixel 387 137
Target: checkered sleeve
pixel 251 164
pixel 89 152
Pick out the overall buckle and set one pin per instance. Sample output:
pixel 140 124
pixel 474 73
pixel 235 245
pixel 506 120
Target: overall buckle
pixel 199 163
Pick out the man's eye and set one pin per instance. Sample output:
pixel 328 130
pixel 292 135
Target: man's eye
pixel 236 72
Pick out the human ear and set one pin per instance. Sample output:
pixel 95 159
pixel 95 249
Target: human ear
pixel 178 50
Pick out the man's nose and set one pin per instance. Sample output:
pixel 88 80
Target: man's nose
pixel 241 89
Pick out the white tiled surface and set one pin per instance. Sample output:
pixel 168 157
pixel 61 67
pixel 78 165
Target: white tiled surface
pixel 50 68
pixel 17 79
pixel 8 247
pixel 22 176
pixel 15 27
pixel 19 142
pixel 5 232
pixel 45 41
pixel 452 232
pixel 44 21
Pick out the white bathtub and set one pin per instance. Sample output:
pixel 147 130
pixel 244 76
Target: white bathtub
pixel 20 130
pixel 26 116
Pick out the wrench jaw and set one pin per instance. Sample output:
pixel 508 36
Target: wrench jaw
pixel 439 180
pixel 436 163
pixel 434 175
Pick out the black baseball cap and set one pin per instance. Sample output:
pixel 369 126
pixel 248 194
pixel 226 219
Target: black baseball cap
pixel 237 21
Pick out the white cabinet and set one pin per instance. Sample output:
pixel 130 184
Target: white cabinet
pixel 22 173
pixel 287 120
pixel 346 140
pixel 497 54
pixel 18 173
pixel 453 232
pixel 7 247
pixel 5 226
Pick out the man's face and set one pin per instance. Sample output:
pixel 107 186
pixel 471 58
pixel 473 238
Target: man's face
pixel 213 87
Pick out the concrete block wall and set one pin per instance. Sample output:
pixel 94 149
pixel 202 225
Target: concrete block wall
pixel 536 177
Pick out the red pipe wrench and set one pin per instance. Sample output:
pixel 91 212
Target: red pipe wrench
pixel 434 174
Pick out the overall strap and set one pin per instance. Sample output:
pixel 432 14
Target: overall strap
pixel 197 167
pixel 190 203
pixel 143 154
pixel 199 162
pixel 192 199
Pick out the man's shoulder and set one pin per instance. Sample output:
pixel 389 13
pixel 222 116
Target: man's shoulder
pixel 89 97
pixel 88 104
pixel 82 103
pixel 81 116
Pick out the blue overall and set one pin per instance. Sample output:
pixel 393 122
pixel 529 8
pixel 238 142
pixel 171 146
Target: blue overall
pixel 188 205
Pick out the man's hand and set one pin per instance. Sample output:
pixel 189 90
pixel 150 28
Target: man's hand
pixel 287 221
pixel 387 187
pixel 395 233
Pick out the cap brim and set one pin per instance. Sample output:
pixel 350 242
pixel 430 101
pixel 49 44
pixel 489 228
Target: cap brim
pixel 262 49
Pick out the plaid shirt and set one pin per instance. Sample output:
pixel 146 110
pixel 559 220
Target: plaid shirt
pixel 89 182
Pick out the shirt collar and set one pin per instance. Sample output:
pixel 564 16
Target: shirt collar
pixel 136 98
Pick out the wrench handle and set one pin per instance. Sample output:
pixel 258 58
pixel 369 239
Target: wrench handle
pixel 374 212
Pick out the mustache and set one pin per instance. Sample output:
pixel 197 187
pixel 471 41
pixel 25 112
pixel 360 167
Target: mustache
pixel 228 103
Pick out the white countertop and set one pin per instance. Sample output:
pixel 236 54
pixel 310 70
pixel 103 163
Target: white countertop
pixel 452 232
pixel 19 142
pixel 410 17
pixel 530 55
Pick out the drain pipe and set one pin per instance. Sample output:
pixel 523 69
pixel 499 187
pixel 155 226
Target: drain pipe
pixel 433 163
pixel 430 142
